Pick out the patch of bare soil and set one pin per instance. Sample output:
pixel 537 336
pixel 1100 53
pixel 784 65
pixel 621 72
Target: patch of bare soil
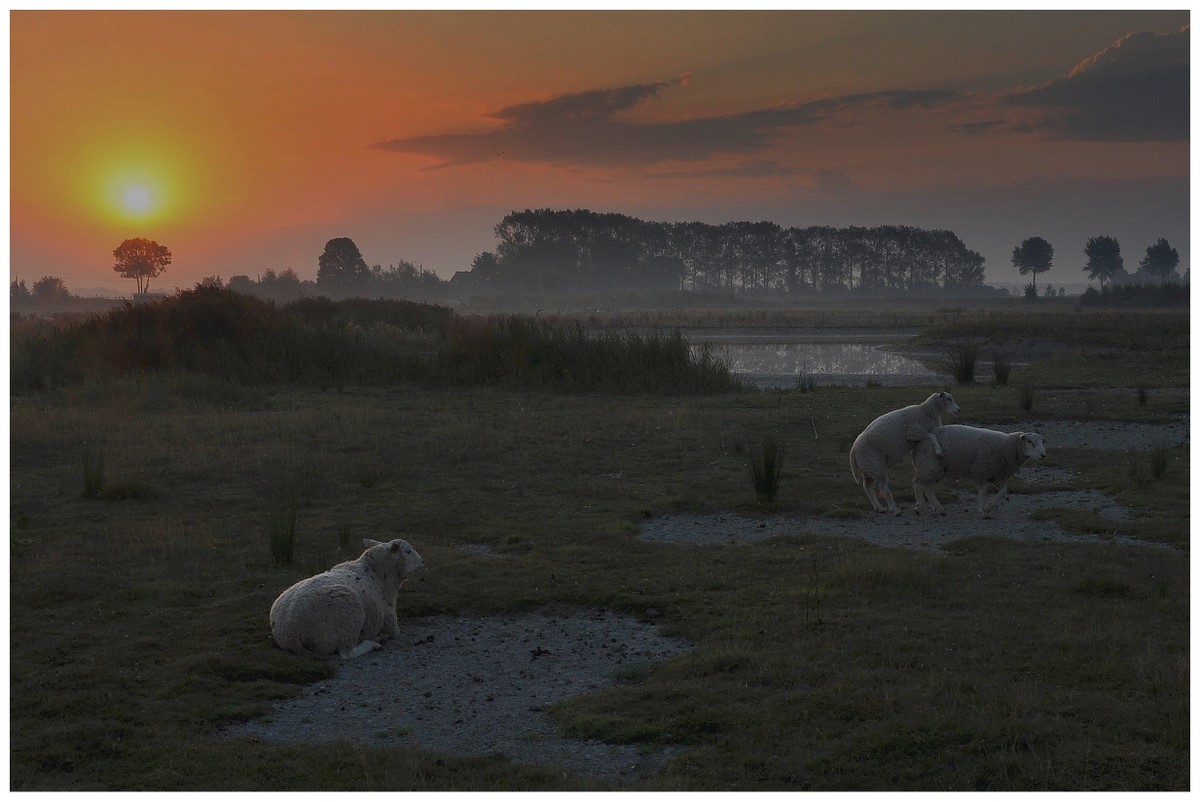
pixel 479 686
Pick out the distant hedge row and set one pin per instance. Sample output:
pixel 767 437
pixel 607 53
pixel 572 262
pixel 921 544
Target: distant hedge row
pixel 315 341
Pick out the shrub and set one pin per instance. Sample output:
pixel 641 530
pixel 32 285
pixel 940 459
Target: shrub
pixel 961 361
pixel 766 468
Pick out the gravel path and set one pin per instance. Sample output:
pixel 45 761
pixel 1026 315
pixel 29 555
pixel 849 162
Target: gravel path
pixel 476 686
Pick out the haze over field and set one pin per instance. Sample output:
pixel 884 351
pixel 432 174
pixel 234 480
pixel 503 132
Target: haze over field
pixel 245 141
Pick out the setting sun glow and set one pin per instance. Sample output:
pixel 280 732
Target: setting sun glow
pixel 135 195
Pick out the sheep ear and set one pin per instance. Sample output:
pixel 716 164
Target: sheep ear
pixel 369 543
pixel 395 546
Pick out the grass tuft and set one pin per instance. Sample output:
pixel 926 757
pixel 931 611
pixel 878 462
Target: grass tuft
pixel 93 470
pixel 1001 367
pixel 1026 398
pixel 766 468
pixel 1158 460
pixel 961 361
pixel 281 535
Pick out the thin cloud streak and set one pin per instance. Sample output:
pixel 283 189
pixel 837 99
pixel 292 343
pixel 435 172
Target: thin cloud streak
pixel 587 129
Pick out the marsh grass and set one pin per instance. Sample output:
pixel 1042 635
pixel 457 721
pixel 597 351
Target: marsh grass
pixel 991 666
pixel 766 468
pixel 92 456
pixel 1158 460
pixel 1001 368
pixel 961 360
pixel 1025 399
pixel 281 535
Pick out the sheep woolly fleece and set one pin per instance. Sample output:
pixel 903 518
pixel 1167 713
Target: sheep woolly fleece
pixel 348 609
pixel 889 439
pixel 984 456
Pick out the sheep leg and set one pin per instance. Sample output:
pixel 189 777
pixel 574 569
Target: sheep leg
pixel 925 492
pixel 359 650
pixel 996 499
pixel 984 507
pixel 918 493
pixel 390 625
pixel 886 492
pixel 869 487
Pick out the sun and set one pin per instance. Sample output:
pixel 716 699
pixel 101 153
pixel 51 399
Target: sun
pixel 138 199
pixel 136 196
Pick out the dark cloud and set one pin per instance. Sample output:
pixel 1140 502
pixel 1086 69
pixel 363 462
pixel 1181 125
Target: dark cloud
pixel 972 129
pixel 1135 90
pixel 591 128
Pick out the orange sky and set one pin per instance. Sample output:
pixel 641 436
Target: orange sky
pixel 244 140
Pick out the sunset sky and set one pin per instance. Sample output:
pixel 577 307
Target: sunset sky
pixel 243 141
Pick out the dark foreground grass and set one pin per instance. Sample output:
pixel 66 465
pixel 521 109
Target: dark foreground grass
pixel 139 624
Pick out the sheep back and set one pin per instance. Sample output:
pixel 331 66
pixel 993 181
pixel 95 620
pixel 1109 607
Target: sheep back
pixel 354 601
pixel 969 452
pixel 891 437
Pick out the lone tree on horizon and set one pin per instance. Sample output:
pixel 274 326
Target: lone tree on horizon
pixel 1160 260
pixel 1104 259
pixel 1034 255
pixel 341 263
pixel 141 260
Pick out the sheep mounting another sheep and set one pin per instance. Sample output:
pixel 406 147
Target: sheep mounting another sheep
pixel 349 609
pixel 984 456
pixel 890 438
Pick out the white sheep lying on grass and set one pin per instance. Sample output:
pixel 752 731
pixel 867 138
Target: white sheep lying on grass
pixel 889 439
pixel 984 456
pixel 348 609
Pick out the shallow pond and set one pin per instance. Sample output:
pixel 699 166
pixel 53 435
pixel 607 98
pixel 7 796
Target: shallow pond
pixel 783 358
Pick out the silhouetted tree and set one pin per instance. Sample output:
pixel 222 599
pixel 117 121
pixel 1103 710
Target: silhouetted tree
pixel 1160 261
pixel 48 289
pixel 341 265
pixel 1104 259
pixel 18 293
pixel 1034 255
pixel 141 260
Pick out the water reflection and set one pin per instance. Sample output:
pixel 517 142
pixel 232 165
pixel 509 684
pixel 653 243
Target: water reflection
pixel 783 364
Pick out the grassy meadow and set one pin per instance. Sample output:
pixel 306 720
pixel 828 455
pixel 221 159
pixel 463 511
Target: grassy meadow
pixel 154 453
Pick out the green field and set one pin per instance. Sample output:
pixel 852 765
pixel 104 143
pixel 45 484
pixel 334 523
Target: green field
pixel 139 590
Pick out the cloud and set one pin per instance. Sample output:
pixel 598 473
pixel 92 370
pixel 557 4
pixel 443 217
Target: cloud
pixel 973 129
pixel 1135 90
pixel 593 128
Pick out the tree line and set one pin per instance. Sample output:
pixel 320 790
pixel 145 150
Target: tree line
pixel 550 250
pixel 1104 263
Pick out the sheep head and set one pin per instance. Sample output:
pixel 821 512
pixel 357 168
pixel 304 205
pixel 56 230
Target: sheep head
pixel 943 403
pixel 396 557
pixel 1032 446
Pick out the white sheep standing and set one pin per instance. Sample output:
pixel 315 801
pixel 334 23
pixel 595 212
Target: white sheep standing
pixel 889 439
pixel 348 609
pixel 984 456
